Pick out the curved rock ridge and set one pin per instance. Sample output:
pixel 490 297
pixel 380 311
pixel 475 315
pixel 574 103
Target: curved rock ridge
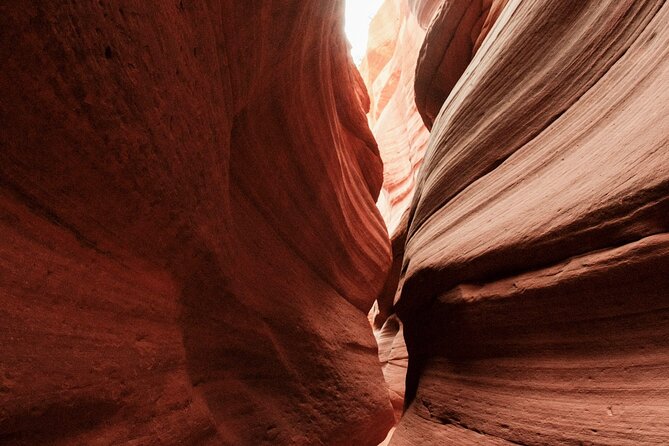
pixel 571 353
pixel 457 29
pixel 536 268
pixel 190 241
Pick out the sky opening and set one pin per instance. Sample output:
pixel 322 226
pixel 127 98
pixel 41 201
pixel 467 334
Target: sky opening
pixel 358 15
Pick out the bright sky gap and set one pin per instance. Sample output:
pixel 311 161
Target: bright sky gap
pixel 358 15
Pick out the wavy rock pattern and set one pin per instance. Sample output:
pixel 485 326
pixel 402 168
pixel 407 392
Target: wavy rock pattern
pixel 536 269
pixel 189 237
pixel 190 242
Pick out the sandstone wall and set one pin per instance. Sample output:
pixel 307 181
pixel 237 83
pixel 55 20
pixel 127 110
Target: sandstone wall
pixel 189 238
pixel 535 282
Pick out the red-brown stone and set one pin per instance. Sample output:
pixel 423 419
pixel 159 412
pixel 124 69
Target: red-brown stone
pixel 189 240
pixel 534 284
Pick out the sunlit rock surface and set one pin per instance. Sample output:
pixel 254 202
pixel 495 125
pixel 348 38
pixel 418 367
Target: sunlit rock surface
pixel 535 285
pixel 388 70
pixel 189 239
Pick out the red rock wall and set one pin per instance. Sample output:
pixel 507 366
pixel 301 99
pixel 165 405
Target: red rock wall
pixel 535 284
pixel 189 240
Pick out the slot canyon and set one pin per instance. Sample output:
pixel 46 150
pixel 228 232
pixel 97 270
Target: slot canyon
pixel 217 229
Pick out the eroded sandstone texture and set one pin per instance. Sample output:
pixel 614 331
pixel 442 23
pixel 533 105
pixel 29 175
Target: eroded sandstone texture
pixel 189 240
pixel 535 284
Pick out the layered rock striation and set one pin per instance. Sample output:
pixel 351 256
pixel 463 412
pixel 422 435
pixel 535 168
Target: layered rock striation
pixel 190 243
pixel 535 277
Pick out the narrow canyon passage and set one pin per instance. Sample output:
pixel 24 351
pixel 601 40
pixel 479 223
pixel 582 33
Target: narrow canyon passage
pixel 215 229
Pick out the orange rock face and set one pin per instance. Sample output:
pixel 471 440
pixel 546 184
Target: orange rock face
pixel 189 240
pixel 535 283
